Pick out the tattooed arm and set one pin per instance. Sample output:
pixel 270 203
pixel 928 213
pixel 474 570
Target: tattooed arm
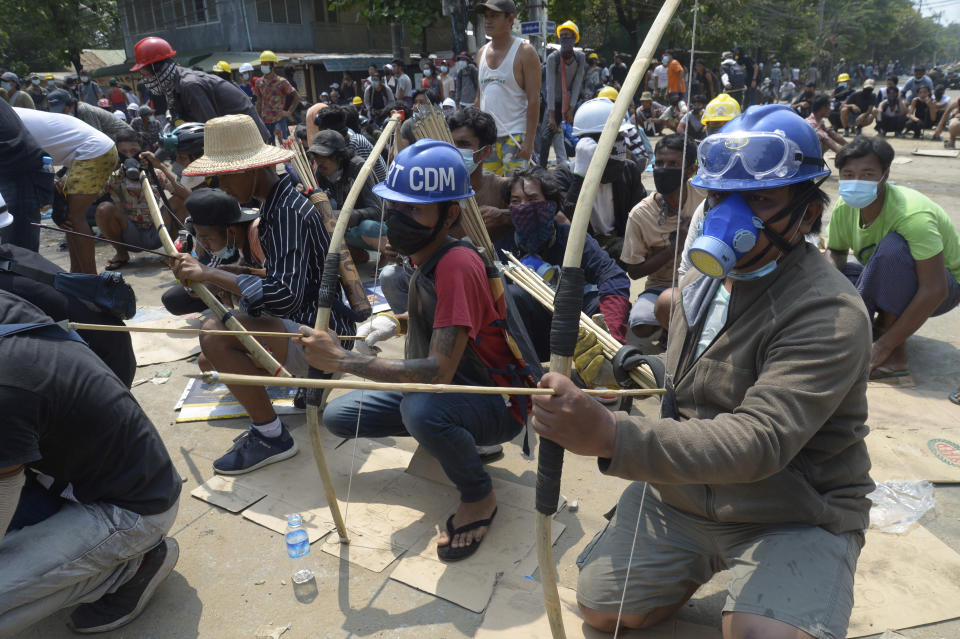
pixel 323 351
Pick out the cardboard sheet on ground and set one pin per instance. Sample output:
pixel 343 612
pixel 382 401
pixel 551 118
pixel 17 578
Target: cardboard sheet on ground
pixel 375 296
pixel 904 581
pixel 229 493
pixel 931 454
pixel 158 348
pixel 201 402
pixel 517 610
pixel 469 583
pixel 937 153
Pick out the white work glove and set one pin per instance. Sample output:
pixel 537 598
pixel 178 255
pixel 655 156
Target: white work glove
pixel 585 150
pixel 378 328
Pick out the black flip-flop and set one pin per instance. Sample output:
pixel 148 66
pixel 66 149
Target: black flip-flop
pixel 955 397
pixel 449 553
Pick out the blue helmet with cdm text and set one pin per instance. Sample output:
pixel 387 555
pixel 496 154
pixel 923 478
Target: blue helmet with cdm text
pixel 767 147
pixel 424 172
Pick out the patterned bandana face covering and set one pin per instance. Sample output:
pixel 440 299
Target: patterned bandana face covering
pixel 533 222
pixel 163 79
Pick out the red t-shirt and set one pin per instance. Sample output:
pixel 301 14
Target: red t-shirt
pixel 464 299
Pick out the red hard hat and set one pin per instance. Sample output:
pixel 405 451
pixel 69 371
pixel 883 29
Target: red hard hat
pixel 150 50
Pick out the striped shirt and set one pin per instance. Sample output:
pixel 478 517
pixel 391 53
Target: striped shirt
pixel 294 243
pixel 362 147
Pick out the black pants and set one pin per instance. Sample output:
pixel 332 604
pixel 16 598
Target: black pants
pixel 178 302
pixel 891 123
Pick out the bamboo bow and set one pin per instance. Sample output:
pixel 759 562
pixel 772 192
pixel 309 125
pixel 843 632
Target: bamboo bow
pixel 568 304
pixel 329 290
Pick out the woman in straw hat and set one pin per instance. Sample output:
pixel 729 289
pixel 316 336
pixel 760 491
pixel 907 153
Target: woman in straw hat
pixel 294 243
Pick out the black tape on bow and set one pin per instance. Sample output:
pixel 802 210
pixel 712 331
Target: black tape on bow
pixel 549 471
pixel 314 396
pixel 567 305
pixel 330 280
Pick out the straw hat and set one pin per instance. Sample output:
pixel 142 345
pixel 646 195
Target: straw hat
pixel 233 143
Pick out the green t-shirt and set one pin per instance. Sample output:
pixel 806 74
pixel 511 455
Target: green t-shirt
pixel 922 223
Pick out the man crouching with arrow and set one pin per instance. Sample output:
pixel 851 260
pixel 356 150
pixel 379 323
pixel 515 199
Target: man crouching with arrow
pixel 456 335
pixel 757 463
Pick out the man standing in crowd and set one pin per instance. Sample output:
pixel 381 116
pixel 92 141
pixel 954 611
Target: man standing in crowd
pixel 87 489
pixel 750 76
pixel 466 83
pixel 509 74
pixel 907 251
pixel 90 157
pixel 404 84
pixel 377 97
pixel 90 91
pixel 276 97
pixel 15 95
pixel 564 73
pixel 676 80
pixel 37 93
pixel 192 96
pixel 294 243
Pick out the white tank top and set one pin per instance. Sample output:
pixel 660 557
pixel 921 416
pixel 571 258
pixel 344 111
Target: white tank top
pixel 501 96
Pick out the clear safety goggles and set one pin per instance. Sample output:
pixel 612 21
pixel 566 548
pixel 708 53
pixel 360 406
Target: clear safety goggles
pixel 761 155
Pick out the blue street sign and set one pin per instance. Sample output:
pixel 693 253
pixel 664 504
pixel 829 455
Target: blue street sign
pixel 551 27
pixel 529 28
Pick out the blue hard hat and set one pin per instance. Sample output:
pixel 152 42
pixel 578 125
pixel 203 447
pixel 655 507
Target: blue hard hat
pixel 424 172
pixel 766 147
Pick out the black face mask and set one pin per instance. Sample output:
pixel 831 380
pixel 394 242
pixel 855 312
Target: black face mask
pixel 406 235
pixel 612 172
pixel 667 180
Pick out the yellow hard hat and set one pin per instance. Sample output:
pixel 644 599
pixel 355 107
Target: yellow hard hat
pixel 357 99
pixel 569 24
pixel 268 56
pixel 49 76
pixel 843 77
pixel 722 108
pixel 593 56
pixel 222 67
pixel 608 92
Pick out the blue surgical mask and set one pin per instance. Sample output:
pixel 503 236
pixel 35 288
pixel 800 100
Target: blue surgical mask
pixel 6 85
pixel 427 72
pixel 461 64
pixel 730 230
pixel 766 269
pixel 227 253
pixel 265 69
pixel 468 159
pixel 858 193
pixel 443 68
pixel 375 83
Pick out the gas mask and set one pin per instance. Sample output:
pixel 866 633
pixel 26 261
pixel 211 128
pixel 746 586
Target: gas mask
pixel 731 230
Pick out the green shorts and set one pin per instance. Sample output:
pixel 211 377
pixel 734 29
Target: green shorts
pixel 799 574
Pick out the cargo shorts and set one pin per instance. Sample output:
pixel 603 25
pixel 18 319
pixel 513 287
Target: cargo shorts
pixel 799 574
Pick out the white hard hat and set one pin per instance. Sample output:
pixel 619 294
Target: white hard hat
pixel 448 102
pixel 120 115
pixel 5 218
pixel 592 116
pixel 246 67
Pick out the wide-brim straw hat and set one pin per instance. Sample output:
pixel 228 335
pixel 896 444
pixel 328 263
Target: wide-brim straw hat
pixel 232 143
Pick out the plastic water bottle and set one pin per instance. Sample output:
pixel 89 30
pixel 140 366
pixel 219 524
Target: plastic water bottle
pixel 298 547
pixel 47 164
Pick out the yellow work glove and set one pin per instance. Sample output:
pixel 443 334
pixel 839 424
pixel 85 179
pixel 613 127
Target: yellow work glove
pixel 589 361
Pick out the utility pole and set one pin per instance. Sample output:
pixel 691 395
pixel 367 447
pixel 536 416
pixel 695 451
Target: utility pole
pixel 538 13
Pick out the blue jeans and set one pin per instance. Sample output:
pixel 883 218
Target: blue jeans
pixel 448 426
pixel 25 194
pixel 368 228
pixel 395 282
pixel 76 555
pixel 281 125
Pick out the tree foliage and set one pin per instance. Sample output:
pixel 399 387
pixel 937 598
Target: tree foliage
pixel 802 32
pixel 49 34
pixel 414 15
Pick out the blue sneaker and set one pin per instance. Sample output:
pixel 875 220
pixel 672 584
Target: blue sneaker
pixel 251 451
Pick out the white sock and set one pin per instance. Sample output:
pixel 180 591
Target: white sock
pixel 272 428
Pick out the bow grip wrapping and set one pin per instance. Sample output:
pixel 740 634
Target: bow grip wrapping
pixel 329 287
pixel 563 341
